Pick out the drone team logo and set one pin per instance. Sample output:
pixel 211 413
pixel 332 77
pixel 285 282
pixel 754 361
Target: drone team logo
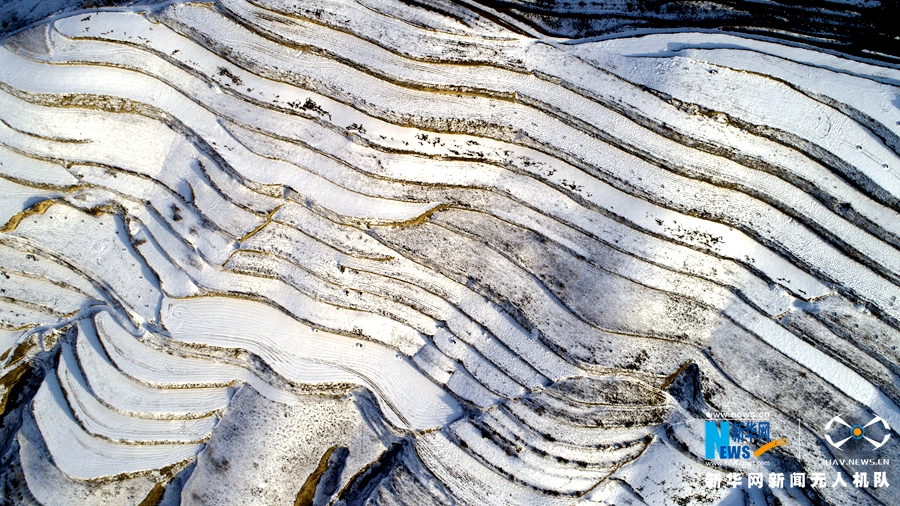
pixel 855 432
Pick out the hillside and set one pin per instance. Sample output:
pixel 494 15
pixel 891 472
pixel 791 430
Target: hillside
pixel 282 252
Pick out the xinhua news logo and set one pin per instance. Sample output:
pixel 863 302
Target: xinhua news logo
pixel 731 440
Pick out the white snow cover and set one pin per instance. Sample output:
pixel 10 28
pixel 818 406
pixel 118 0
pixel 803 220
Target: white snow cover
pixel 531 266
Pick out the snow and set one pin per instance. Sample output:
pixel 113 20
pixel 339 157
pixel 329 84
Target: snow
pixel 100 421
pixel 129 396
pixel 302 354
pixel 81 456
pixel 475 260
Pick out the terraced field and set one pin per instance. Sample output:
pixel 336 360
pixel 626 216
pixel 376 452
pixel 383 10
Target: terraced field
pixel 321 252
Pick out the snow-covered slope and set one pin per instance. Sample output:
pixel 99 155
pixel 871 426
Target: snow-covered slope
pixel 862 27
pixel 510 270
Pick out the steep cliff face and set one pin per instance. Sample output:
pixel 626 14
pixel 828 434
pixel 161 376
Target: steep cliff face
pixel 284 252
